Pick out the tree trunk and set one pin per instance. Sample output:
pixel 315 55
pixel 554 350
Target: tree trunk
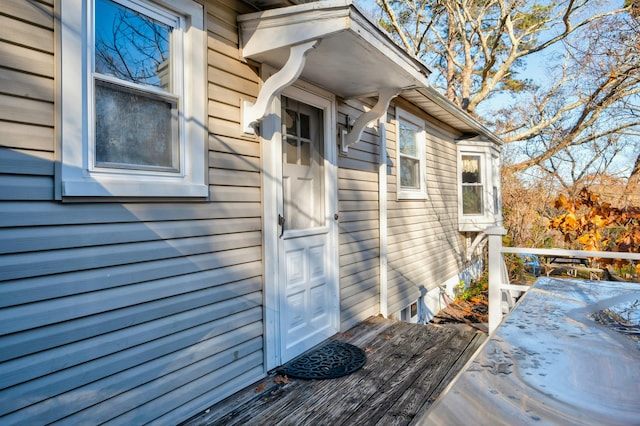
pixel 451 67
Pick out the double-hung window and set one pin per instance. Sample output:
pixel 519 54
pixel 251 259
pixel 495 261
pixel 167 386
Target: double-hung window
pixel 133 104
pixel 411 157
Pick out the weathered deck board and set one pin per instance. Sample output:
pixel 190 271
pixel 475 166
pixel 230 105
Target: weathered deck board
pixel 408 365
pixel 411 364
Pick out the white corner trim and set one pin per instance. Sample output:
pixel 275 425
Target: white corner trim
pixel 252 113
pixel 375 113
pixel 382 215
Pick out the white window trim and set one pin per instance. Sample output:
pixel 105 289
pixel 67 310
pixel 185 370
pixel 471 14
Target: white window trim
pixel 489 164
pixel 76 177
pixel 415 121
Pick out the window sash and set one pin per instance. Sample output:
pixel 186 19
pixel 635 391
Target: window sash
pixel 156 140
pixel 409 172
pixel 171 94
pixel 135 43
pixel 410 156
pixel 473 199
pixel 473 188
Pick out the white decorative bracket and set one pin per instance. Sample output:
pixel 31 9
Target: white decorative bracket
pixel 350 137
pixel 252 113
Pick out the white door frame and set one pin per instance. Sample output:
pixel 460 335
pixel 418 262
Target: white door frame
pixel 272 188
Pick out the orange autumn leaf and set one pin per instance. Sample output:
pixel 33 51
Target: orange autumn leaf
pixel 598 221
pixel 561 202
pixel 281 380
pixel 571 221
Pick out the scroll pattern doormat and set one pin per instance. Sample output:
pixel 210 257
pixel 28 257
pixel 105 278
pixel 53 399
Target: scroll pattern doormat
pixel 331 360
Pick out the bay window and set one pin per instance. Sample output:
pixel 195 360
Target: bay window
pixel 478 185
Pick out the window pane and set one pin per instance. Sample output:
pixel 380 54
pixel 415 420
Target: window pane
pixel 131 46
pixel 304 126
pixel 290 150
pixel 305 153
pixel 409 173
pixel 408 141
pixel 303 178
pixel 134 130
pixel 290 122
pixel 471 169
pixel 472 199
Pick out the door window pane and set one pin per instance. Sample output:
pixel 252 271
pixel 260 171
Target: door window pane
pixel 290 122
pixel 305 153
pixel 290 150
pixel 304 126
pixel 303 165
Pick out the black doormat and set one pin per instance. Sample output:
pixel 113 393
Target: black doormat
pixel 331 360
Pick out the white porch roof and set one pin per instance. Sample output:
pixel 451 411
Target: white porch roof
pixel 353 57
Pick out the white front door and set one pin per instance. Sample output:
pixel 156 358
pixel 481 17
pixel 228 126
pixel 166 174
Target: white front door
pixel 306 297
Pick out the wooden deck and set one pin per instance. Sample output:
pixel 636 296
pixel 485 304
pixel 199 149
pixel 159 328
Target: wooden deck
pixel 408 365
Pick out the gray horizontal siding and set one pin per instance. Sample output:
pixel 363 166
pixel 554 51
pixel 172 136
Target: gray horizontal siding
pixel 132 390
pixel 424 245
pixel 16 240
pixel 26 100
pixel 59 331
pixel 14 266
pixel 124 313
pixel 359 237
pixel 38 214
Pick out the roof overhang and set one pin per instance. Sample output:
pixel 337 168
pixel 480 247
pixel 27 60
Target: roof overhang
pixel 334 45
pixel 354 56
pixel 438 106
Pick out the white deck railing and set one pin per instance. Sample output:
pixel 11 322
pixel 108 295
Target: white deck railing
pixel 499 281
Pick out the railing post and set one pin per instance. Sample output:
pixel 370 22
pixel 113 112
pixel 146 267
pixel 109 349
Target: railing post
pixel 495 275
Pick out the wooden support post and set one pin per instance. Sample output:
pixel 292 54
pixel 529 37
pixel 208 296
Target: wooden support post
pixel 495 275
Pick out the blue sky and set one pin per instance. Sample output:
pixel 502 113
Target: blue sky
pixel 537 69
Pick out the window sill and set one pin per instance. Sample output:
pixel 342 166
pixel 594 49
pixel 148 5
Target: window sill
pixel 476 224
pixel 129 189
pixel 411 195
